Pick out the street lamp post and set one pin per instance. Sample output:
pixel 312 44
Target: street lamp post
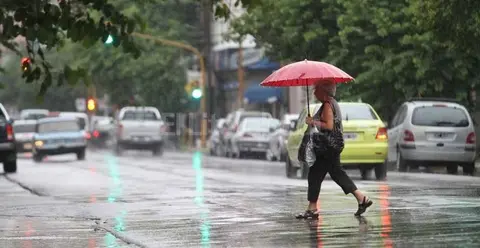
pixel 203 130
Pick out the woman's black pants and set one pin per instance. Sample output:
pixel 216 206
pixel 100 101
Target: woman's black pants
pixel 317 172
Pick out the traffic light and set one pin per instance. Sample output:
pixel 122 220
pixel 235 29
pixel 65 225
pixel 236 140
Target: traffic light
pixel 197 93
pixel 196 90
pixel 26 64
pixel 91 104
pixel 109 39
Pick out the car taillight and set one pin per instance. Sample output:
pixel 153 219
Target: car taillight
pixel 471 138
pixel 9 130
pixel 247 135
pixel 163 128
pixel 408 136
pixel 87 135
pixel 382 134
pixel 96 134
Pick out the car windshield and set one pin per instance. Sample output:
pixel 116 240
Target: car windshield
pixel 60 126
pixel 250 115
pixel 140 115
pixel 440 116
pixel 35 116
pixel 352 112
pixel 24 128
pixel 260 124
pixel 81 123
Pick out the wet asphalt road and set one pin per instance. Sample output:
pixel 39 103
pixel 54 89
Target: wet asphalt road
pixel 192 200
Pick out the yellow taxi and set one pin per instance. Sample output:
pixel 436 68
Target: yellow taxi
pixel 365 135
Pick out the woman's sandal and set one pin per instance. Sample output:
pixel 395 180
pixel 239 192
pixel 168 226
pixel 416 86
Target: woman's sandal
pixel 362 207
pixel 309 214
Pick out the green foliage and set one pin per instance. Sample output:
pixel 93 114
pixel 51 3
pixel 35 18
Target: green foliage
pixel 46 25
pixel 157 77
pixel 455 22
pixel 379 42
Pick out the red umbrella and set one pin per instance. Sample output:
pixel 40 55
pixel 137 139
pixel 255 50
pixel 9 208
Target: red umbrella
pixel 306 73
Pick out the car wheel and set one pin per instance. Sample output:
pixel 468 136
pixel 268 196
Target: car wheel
pixel 118 150
pixel 364 173
pixel 37 157
pixel 469 169
pixel 452 169
pixel 290 171
pixel 283 157
pixel 212 151
pixel 81 154
pixel 381 171
pixel 269 155
pixel 228 151
pixel 157 150
pixel 402 165
pixel 10 166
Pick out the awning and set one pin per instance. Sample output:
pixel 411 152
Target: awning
pixel 258 94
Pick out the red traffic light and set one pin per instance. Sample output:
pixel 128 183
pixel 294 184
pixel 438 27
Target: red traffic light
pixel 26 60
pixel 25 63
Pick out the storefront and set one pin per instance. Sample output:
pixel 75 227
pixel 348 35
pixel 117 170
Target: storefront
pixel 256 68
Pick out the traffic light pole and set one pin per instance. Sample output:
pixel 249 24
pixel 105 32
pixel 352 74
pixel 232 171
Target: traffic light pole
pixel 201 60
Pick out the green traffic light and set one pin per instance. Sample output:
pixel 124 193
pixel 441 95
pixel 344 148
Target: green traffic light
pixel 197 93
pixel 109 40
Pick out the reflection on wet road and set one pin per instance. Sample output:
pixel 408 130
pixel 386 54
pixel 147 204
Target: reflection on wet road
pixel 193 200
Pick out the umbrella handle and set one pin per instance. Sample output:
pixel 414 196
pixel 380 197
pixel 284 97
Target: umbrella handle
pixel 308 103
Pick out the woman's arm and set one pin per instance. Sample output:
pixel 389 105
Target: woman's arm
pixel 327 117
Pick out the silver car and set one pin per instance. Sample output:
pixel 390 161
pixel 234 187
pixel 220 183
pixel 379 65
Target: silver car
pixel 252 136
pixel 279 136
pixel 426 132
pixel 232 124
pixel 214 141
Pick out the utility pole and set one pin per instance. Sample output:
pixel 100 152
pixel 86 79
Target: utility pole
pixel 207 51
pixel 240 74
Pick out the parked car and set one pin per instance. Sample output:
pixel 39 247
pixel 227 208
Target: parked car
pixel 214 141
pixel 278 138
pixel 365 135
pixel 431 132
pixel 233 122
pixel 33 114
pixel 139 128
pixel 24 131
pixel 252 136
pixel 8 152
pixel 58 135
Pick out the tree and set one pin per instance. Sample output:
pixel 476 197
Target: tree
pixel 455 22
pixel 379 42
pixel 158 76
pixel 45 25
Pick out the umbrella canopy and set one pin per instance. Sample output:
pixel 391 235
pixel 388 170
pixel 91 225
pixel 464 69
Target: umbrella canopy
pixel 305 73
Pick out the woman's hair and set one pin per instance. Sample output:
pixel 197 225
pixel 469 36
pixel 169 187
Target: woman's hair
pixel 328 86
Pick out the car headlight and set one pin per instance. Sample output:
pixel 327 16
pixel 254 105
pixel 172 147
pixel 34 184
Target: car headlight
pixel 39 143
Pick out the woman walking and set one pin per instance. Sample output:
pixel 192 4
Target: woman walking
pixel 329 118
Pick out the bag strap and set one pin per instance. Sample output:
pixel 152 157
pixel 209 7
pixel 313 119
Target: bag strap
pixel 334 114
